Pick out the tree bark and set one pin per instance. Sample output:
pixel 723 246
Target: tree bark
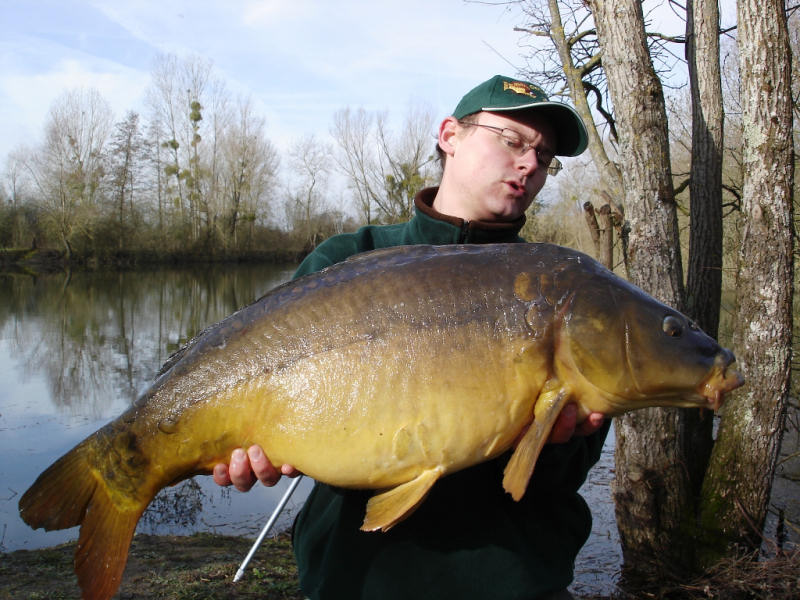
pixel 651 488
pixel 704 277
pixel 594 227
pixel 606 244
pixel 737 485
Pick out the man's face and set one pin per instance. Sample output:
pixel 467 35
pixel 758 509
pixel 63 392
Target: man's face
pixel 489 180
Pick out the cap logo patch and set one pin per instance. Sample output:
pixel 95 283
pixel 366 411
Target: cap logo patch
pixel 522 88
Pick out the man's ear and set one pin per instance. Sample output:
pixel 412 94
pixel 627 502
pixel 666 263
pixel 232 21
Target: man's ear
pixel 447 135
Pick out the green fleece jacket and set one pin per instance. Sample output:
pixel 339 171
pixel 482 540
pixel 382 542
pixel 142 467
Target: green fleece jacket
pixel 468 539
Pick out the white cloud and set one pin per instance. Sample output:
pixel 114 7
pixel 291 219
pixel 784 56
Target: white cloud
pixel 299 60
pixel 26 95
pixel 260 13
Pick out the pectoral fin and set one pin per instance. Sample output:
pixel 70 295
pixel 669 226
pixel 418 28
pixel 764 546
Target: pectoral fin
pixel 388 508
pixel 520 467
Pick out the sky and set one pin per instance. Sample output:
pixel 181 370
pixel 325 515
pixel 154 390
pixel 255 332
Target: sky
pixel 299 61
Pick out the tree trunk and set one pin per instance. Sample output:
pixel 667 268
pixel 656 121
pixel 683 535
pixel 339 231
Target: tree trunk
pixel 736 489
pixel 704 278
pixel 651 488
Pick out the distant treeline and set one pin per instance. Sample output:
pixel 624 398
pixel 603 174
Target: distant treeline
pixel 26 239
pixel 195 176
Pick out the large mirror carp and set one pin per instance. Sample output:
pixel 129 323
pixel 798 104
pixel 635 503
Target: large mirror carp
pixel 387 371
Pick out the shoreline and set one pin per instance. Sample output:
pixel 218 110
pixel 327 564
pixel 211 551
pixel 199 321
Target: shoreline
pixel 203 565
pixel 40 261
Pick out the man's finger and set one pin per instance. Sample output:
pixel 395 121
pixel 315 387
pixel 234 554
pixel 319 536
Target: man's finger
pixel 221 476
pixel 564 427
pixel 240 472
pixel 290 471
pixel 263 469
pixel 592 423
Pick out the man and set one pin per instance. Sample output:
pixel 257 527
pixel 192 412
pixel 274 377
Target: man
pixel 469 539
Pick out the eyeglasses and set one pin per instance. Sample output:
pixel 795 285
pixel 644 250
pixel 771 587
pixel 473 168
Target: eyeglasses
pixel 516 144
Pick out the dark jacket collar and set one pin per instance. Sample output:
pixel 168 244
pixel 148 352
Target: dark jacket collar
pixel 431 224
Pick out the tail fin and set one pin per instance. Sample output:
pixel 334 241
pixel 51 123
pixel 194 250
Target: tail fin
pixel 71 493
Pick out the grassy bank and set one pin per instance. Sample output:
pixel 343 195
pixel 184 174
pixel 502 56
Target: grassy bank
pixel 202 567
pixel 163 567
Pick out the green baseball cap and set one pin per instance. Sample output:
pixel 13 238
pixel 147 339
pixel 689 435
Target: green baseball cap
pixel 503 94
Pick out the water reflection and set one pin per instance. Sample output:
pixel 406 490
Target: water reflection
pixel 77 349
pixel 98 337
pixel 178 506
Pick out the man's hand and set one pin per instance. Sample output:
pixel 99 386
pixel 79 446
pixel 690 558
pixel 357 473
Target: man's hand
pixel 566 425
pixel 248 467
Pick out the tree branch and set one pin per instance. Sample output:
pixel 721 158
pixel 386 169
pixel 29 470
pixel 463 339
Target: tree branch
pixel 599 106
pixel 682 185
pixel 595 62
pixel 531 31
pixel 577 38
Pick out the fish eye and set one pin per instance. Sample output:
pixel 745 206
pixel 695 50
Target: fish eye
pixel 672 326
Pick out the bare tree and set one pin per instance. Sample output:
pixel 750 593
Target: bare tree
pixel 736 491
pixel 406 160
pixel 155 179
pixel 222 119
pixel 575 71
pixel 384 170
pixel 15 184
pixel 165 107
pixel 125 157
pixel 310 168
pixel 186 101
pixel 351 130
pixel 248 164
pixel 67 171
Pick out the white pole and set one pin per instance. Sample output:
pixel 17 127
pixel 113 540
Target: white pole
pixel 268 526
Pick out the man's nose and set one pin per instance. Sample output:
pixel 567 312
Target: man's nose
pixel 528 162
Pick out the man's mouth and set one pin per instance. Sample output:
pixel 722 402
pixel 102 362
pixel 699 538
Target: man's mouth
pixel 517 187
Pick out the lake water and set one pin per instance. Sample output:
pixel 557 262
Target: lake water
pixel 76 350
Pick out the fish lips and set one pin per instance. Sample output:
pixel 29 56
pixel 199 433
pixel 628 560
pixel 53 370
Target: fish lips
pixel 722 379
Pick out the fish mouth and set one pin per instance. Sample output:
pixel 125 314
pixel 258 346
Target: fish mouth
pixel 723 379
